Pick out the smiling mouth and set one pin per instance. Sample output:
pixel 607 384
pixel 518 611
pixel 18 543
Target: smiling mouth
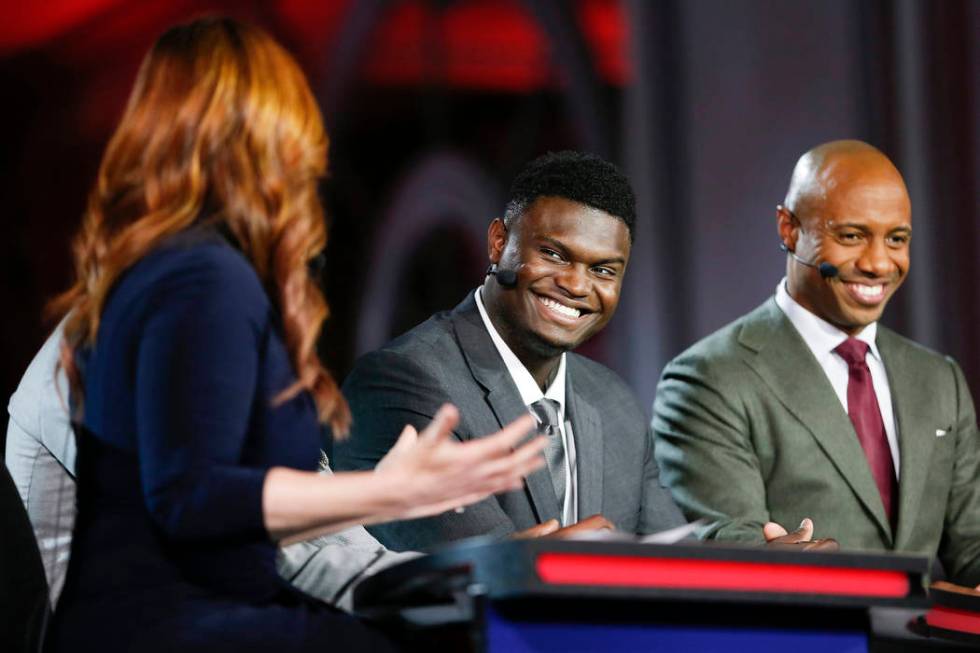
pixel 866 294
pixel 567 312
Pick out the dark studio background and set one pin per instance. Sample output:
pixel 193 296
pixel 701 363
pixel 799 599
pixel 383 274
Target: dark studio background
pixel 433 106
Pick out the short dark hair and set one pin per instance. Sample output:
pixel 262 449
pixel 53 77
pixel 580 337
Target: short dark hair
pixel 581 177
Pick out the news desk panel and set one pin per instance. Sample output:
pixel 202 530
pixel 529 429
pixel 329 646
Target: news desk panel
pixel 557 595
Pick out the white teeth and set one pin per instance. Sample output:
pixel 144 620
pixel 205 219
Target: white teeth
pixel 560 308
pixel 868 291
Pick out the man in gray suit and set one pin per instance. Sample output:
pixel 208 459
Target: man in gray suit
pixel 808 407
pixel 557 258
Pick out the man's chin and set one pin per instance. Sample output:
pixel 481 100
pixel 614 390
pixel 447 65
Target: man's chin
pixel 549 346
pixel 851 317
pixel 854 321
pixel 865 315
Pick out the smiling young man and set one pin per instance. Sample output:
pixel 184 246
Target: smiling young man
pixel 557 261
pixel 807 407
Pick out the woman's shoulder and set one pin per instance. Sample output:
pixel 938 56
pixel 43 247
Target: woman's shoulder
pixel 198 266
pixel 205 253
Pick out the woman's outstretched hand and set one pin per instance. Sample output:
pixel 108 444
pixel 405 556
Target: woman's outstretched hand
pixel 434 472
pixel 423 474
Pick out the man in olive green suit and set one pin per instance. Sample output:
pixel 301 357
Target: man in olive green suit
pixel 806 407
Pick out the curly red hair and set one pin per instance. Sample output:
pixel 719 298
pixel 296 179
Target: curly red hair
pixel 221 127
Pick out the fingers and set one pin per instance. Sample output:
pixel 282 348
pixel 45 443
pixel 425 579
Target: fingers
pixel 946 586
pixel 489 448
pixel 449 474
pixel 438 430
pixel 593 523
pixel 596 522
pixel 500 456
pixel 529 453
pixel 503 440
pixel 508 473
pixel 772 530
pixel 805 532
pixel 486 477
pixel 800 539
pixel 442 505
pixel 538 530
pixel 403 446
pixel 824 544
pixel 406 439
pixel 802 534
pixel 516 464
pixel 467 472
pixel 548 527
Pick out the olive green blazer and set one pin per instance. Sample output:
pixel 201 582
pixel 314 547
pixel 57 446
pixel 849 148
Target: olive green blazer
pixel 748 430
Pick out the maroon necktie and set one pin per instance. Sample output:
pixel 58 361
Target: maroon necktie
pixel 862 408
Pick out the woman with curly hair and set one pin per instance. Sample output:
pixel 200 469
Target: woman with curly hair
pixel 196 389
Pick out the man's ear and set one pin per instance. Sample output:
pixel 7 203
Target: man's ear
pixel 496 239
pixel 788 227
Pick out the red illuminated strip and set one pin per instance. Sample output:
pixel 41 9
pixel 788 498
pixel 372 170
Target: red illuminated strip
pixel 962 621
pixel 628 571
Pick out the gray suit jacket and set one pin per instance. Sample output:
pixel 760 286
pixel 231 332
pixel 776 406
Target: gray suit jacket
pixel 329 567
pixel 40 456
pixel 749 430
pixel 451 358
pixel 41 459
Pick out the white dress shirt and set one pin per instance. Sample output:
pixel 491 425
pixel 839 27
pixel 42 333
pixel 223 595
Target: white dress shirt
pixel 531 392
pixel 822 338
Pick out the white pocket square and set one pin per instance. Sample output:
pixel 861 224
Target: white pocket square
pixel 940 433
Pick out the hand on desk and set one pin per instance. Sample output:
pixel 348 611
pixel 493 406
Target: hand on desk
pixel 802 538
pixel 587 525
pixel 956 589
pixel 551 528
pixel 538 530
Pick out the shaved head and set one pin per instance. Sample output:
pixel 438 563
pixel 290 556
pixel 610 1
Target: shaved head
pixel 847 206
pixel 833 168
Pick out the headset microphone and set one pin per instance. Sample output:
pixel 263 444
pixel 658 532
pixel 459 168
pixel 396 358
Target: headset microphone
pixel 827 270
pixel 506 278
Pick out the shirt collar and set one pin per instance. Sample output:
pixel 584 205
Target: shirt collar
pixel 821 336
pixel 526 385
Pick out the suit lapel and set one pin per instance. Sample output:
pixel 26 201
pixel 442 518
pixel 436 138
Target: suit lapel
pixel 501 394
pixel 915 439
pixel 587 434
pixel 787 366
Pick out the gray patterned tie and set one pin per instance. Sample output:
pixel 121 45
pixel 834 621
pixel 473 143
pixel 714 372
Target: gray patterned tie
pixel 549 424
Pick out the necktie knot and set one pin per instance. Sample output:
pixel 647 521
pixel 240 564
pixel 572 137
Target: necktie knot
pixel 547 414
pixel 853 351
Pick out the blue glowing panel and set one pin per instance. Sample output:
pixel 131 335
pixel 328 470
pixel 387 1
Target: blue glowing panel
pixel 504 635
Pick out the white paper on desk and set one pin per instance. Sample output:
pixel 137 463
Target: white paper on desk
pixel 674 535
pixel 602 535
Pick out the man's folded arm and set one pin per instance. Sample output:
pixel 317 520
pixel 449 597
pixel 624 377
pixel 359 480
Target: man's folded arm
pixel 959 549
pixel 705 454
pixel 659 511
